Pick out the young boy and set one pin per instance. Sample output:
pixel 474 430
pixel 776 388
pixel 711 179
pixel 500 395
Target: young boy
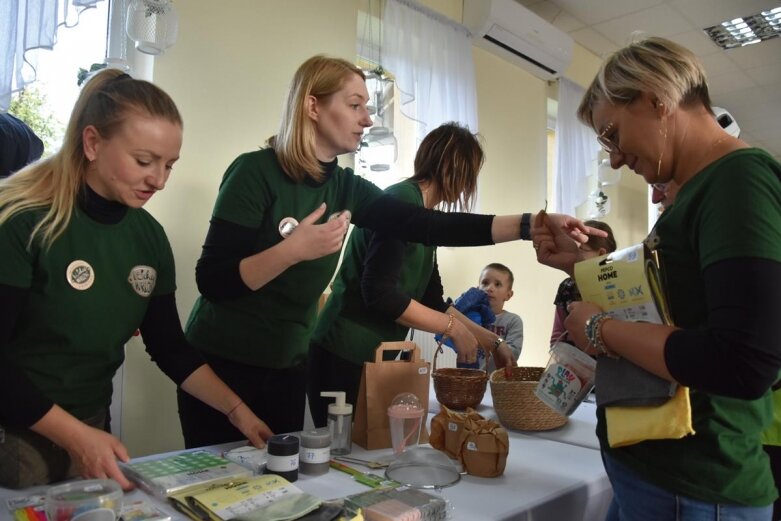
pixel 497 281
pixel 496 287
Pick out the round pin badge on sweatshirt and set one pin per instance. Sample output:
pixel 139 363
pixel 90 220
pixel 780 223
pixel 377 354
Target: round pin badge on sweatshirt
pixel 80 275
pixel 286 226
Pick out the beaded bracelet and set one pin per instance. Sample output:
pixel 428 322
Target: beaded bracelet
pixel 451 319
pixel 593 332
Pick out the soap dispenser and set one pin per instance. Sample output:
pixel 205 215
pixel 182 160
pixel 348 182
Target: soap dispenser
pixel 340 423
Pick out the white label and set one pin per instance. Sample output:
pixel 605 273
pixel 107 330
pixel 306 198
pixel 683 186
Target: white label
pixel 470 445
pixel 282 463
pixel 452 426
pixel 422 370
pixel 316 455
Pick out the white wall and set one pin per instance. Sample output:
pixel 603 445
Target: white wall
pixel 229 73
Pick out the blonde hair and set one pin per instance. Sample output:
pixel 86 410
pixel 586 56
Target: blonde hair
pixel 450 157
pixel 320 76
pixel 654 65
pixel 54 183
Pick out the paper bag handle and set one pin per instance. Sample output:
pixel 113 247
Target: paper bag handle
pixel 397 346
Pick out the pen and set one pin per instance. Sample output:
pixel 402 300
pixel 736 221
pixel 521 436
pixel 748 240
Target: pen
pixel 370 480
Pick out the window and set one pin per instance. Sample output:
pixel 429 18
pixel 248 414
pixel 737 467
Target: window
pixel 46 104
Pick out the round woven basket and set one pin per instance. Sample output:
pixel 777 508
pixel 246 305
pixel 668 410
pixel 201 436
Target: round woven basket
pixel 516 404
pixel 458 388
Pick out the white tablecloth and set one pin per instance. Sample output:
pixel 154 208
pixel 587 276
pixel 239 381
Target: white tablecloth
pixel 550 476
pixel 544 481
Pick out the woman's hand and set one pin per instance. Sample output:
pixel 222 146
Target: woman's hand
pixel 579 313
pixel 95 454
pixel 573 227
pixel 255 429
pixel 311 241
pixel 465 343
pixel 204 384
pixel 556 247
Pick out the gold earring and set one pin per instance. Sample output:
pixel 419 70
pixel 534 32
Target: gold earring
pixel 664 144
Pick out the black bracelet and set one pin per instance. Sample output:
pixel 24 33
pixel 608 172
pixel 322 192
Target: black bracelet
pixel 526 232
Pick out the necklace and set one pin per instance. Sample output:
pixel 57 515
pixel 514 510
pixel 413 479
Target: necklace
pixel 709 156
pixel 722 138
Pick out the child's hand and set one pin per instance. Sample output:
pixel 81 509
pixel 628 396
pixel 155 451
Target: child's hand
pixel 503 357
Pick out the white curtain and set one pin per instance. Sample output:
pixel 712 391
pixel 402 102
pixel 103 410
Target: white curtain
pixel 576 151
pixel 431 58
pixel 26 25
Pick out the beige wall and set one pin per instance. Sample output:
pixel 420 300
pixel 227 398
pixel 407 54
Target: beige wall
pixel 229 73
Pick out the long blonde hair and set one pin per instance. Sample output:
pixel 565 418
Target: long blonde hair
pixel 54 183
pixel 450 158
pixel 654 65
pixel 319 76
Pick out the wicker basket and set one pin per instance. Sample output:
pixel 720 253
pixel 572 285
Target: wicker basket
pixel 458 388
pixel 516 404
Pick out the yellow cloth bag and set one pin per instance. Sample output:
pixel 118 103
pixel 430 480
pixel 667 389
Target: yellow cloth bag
pixel 630 425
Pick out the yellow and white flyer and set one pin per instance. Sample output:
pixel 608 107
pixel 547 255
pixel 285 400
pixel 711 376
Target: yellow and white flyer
pixel 262 498
pixel 626 284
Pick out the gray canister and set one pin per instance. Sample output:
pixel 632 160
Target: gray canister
pixel 315 452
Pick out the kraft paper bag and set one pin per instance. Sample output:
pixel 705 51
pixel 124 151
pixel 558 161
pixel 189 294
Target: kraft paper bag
pixel 485 447
pixel 381 381
pixel 480 444
pixel 447 430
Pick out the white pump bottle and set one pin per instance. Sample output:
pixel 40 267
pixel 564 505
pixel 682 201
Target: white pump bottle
pixel 340 423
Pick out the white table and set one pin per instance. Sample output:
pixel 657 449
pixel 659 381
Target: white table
pixel 554 475
pixel 544 480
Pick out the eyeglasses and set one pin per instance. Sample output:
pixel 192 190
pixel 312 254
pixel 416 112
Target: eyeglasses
pixel 607 143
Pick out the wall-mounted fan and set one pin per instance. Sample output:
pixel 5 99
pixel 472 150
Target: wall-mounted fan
pixel 152 24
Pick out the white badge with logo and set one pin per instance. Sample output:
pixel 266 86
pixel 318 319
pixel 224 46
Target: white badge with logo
pixel 80 275
pixel 142 279
pixel 286 226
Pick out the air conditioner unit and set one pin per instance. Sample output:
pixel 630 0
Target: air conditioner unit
pixel 511 31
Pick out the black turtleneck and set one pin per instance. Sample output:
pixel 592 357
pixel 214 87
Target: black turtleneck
pixel 99 209
pixel 160 329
